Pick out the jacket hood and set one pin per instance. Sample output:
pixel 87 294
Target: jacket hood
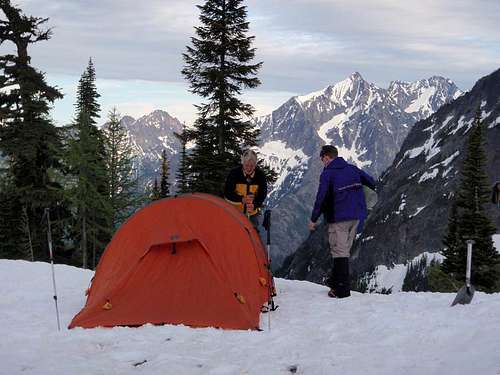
pixel 337 163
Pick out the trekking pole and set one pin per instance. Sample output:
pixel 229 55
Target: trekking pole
pixel 270 303
pixel 49 240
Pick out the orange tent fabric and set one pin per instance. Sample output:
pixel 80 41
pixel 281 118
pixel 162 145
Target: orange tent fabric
pixel 192 260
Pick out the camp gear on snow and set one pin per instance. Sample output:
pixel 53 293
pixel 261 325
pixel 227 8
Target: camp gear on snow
pixel 191 259
pixel 346 200
pixel 51 256
pixel 238 186
pixel 465 294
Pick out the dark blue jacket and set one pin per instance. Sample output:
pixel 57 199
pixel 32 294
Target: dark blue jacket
pixel 340 194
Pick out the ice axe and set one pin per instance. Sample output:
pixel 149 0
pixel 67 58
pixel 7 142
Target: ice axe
pixel 465 294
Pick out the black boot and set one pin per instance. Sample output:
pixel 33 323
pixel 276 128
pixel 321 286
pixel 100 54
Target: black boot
pixel 334 280
pixel 342 280
pixel 330 281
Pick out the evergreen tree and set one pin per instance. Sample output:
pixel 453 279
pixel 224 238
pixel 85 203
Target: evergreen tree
pixel 11 232
pixel 218 66
pixel 182 175
pixel 471 220
pixel 123 196
pixel 452 243
pixel 165 175
pixel 87 160
pixel 28 138
pixel 416 279
pixel 155 193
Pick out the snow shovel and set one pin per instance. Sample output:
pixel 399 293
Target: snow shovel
pixel 465 294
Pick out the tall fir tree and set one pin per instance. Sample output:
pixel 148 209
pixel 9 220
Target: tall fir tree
pixel 218 66
pixel 28 138
pixel 11 229
pixel 165 176
pixel 87 159
pixel 452 243
pixel 124 198
pixel 470 221
pixel 182 176
pixel 155 191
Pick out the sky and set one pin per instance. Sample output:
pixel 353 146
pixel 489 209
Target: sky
pixel 305 45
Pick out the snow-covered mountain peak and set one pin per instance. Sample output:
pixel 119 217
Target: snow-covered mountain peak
pixel 160 120
pixel 423 97
pixel 340 93
pixel 303 99
pixel 346 91
pixel 127 120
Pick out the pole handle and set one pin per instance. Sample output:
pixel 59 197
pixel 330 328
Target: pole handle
pixel 469 262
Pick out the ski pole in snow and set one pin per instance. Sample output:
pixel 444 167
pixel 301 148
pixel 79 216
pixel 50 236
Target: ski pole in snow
pixel 270 303
pixel 49 240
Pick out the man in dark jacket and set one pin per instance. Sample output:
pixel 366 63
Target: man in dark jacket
pixel 246 187
pixel 341 198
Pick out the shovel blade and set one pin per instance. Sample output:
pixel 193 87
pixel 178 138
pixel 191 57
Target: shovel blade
pixel 464 296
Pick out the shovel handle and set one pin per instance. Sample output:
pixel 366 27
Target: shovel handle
pixel 469 262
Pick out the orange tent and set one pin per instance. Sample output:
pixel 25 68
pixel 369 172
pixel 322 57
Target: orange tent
pixel 192 260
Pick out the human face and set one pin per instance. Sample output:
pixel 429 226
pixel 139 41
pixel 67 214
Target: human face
pixel 249 166
pixel 325 160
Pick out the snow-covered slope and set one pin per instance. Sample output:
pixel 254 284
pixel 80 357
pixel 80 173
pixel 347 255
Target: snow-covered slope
pixel 402 333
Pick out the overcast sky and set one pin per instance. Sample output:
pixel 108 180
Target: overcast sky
pixel 305 45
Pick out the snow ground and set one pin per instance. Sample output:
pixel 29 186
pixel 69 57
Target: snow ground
pixel 402 333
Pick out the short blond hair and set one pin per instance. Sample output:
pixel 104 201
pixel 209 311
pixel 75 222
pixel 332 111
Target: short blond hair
pixel 249 155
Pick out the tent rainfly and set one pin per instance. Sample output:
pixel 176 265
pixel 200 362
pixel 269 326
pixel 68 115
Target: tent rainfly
pixel 192 260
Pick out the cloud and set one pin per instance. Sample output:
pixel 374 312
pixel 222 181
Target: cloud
pixel 305 44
